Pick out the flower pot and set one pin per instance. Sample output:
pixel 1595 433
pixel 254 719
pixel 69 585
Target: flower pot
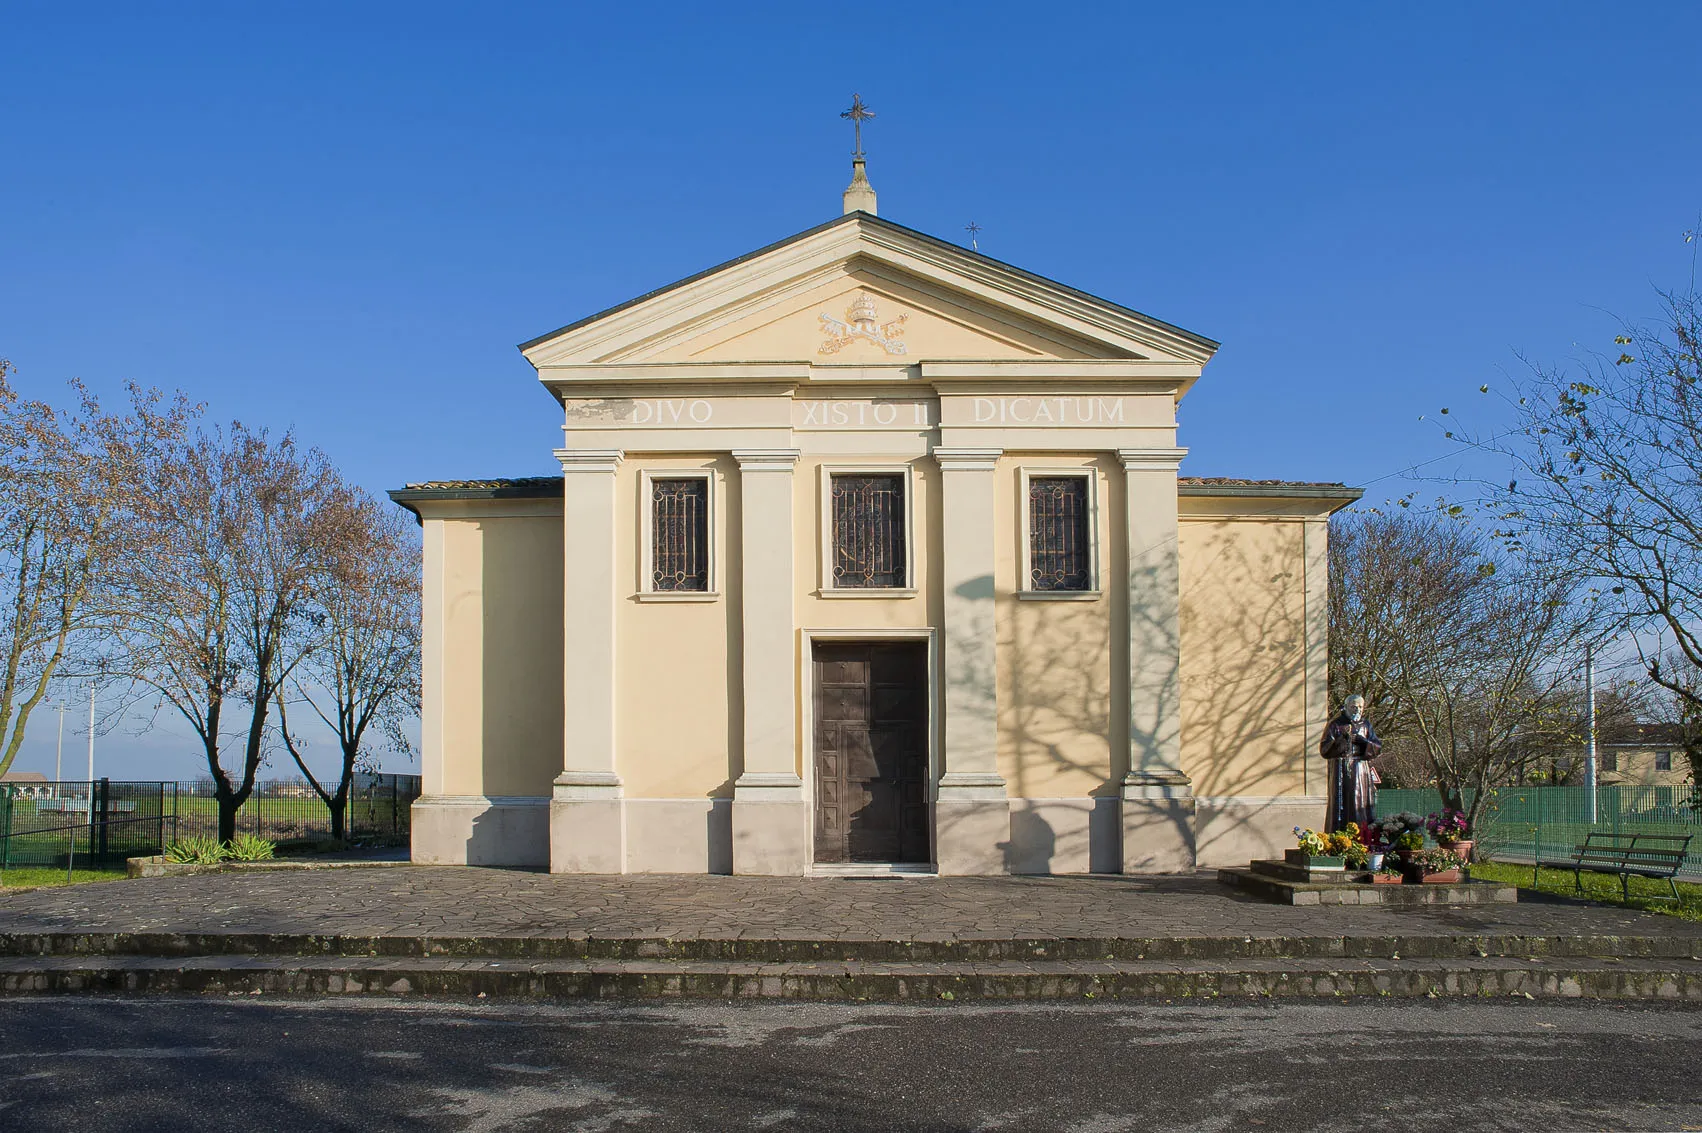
pixel 1302 858
pixel 1386 879
pixel 1445 877
pixel 1376 861
pixel 1460 846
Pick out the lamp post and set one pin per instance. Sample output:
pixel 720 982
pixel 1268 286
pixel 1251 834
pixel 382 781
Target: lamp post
pixel 1590 751
pixel 59 752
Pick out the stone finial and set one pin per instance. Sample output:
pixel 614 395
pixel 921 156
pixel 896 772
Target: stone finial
pixel 859 195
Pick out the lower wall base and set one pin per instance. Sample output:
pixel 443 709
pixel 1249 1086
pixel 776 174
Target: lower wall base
pixel 1064 836
pixel 1024 836
pixel 480 830
pixel 1234 830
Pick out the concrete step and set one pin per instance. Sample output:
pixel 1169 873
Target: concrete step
pixel 1045 979
pixel 1458 944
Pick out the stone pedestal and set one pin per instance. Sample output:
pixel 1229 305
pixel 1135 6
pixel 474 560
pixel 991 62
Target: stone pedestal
pixel 771 825
pixel 587 825
pixel 1158 823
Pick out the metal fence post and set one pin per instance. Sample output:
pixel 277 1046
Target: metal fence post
pixel 6 830
pixel 105 807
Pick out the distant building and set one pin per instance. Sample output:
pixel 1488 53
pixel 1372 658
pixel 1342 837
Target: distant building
pixel 23 777
pixel 1644 755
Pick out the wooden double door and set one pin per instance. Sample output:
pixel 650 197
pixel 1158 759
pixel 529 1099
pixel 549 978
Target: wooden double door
pixel 871 751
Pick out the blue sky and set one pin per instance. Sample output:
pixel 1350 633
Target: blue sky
pixel 342 217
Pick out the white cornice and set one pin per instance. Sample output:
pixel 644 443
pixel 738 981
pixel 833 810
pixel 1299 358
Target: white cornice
pixel 589 459
pixel 1152 459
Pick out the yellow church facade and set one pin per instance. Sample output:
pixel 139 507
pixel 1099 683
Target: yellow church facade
pixel 869 554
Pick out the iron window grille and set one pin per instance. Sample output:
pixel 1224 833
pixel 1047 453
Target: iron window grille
pixel 868 532
pixel 1059 552
pixel 679 534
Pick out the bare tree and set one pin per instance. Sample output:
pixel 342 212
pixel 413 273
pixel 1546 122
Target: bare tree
pixel 64 510
pixel 214 615
pixel 1606 483
pixel 363 673
pixel 1467 647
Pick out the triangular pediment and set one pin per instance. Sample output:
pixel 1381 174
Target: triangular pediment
pixel 862 291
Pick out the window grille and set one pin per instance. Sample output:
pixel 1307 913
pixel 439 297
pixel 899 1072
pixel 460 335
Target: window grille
pixel 1610 761
pixel 868 531
pixel 679 534
pixel 1663 761
pixel 1058 548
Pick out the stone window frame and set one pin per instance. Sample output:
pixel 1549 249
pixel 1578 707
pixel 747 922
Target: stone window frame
pixel 824 512
pixel 647 538
pixel 1025 591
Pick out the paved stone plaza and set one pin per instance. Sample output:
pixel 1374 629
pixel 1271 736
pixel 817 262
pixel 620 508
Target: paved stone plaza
pixel 465 932
pixel 468 902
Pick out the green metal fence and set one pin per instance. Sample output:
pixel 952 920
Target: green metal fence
pixel 98 825
pixel 1522 823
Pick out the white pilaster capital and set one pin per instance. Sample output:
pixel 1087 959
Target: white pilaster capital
pixel 968 459
pixel 766 459
pixel 1152 459
pixel 589 459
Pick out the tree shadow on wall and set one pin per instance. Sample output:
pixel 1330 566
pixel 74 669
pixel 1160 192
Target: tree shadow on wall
pixel 1066 721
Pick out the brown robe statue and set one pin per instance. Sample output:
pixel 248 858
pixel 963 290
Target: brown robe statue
pixel 1348 747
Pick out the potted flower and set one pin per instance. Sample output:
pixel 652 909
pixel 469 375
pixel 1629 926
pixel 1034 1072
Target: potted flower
pixel 1408 844
pixel 1387 875
pixel 1437 866
pixel 1312 851
pixel 1450 829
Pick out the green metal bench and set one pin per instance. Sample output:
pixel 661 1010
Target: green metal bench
pixel 1657 856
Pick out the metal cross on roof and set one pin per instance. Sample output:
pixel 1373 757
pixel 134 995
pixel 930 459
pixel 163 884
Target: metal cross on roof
pixel 974 230
pixel 858 115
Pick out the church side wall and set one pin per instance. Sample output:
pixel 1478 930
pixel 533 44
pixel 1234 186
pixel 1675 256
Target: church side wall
pixel 494 592
pixel 1252 654
pixel 1061 675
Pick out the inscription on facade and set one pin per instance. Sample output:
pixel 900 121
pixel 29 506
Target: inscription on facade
pixel 863 413
pixel 1049 411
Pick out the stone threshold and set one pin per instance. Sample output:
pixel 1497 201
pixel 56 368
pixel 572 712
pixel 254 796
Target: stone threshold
pixel 1670 980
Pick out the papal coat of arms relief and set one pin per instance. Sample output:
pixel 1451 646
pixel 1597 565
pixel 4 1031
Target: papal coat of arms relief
pixel 860 323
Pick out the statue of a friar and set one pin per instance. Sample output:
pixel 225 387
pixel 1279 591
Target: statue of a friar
pixel 1348 747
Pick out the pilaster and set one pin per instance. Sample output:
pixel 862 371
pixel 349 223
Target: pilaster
pixel 972 808
pixel 587 821
pixel 771 817
pixel 1158 803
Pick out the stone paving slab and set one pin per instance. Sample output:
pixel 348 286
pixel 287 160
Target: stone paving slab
pixel 448 903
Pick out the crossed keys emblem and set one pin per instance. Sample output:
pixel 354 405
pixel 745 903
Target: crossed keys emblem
pixel 860 323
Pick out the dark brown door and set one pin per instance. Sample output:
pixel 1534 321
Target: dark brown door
pixel 871 725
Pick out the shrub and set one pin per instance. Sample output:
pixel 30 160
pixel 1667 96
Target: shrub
pixel 249 848
pixel 197 849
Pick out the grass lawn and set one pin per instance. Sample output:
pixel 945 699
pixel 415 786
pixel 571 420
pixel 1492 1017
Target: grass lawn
pixel 33 877
pixel 1597 887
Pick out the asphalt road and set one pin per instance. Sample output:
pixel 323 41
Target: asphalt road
pixel 1536 1067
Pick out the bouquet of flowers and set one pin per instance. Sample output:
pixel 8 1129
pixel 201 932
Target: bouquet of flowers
pixel 1437 860
pixel 1448 826
pixel 1311 843
pixel 1338 842
pixel 1387 831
